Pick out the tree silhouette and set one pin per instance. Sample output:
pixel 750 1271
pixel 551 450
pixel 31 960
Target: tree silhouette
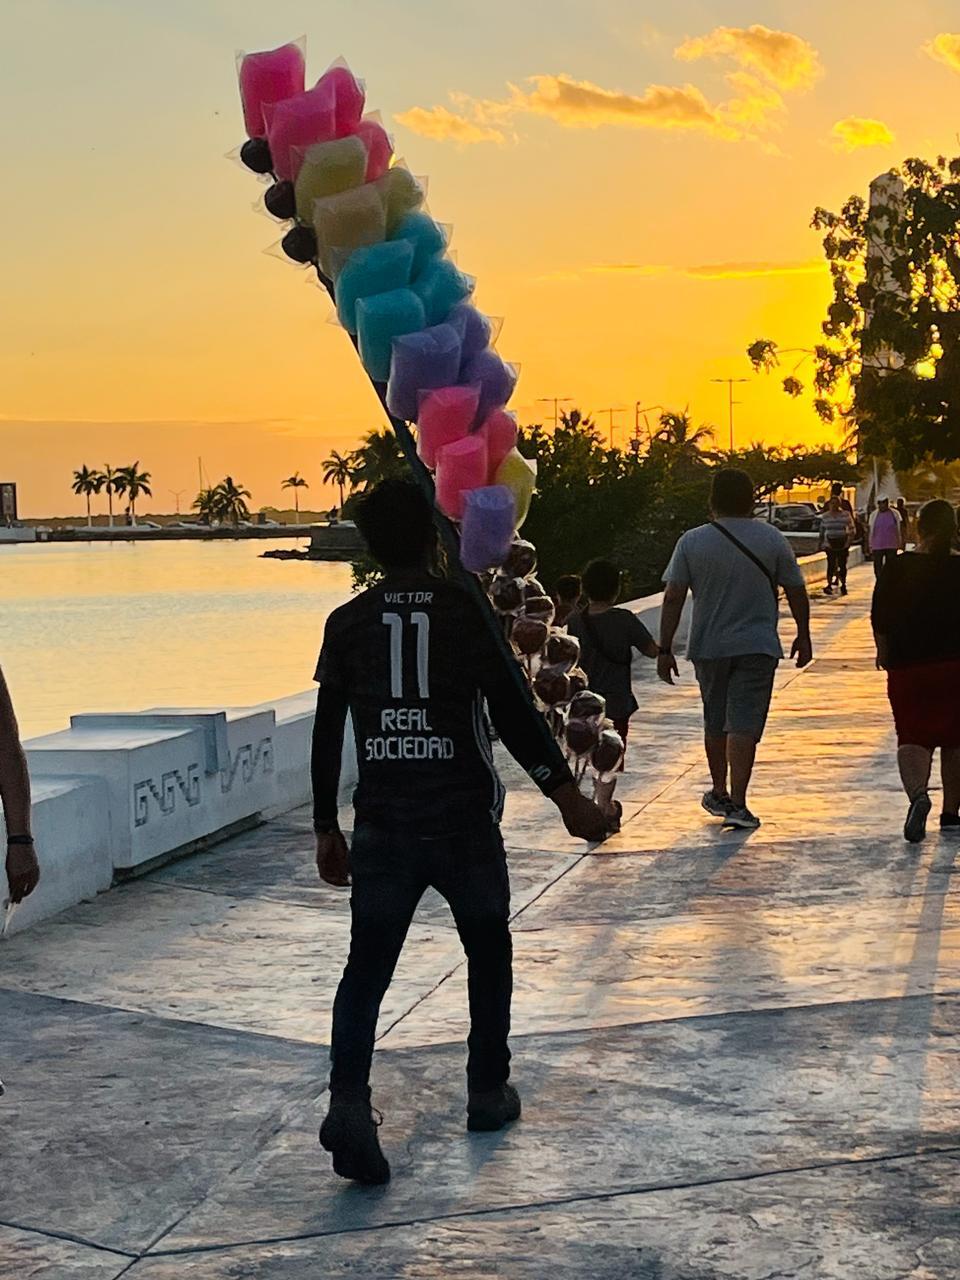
pixel 85 483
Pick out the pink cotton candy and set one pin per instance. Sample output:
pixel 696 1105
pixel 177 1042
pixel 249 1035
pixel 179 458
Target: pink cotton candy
pixel 445 415
pixel 296 123
pixel 461 466
pixel 500 433
pixel 379 147
pixel 348 98
pixel 266 78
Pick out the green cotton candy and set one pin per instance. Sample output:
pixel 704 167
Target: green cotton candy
pixel 327 169
pixel 380 319
pixel 426 236
pixel 378 268
pixel 401 193
pixel 440 286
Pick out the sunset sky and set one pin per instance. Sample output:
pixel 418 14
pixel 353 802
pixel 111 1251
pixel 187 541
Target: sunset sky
pixel 633 193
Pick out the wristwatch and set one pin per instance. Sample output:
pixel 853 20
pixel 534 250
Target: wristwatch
pixel 20 839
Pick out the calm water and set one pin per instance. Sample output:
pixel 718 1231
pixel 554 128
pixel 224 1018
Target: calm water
pixel 122 627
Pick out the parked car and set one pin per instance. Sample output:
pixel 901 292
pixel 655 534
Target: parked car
pixel 790 517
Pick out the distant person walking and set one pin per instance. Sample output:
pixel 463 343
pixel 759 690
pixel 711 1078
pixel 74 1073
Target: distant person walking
pixel 885 536
pixel 837 531
pixel 566 597
pixel 905 522
pixel 836 491
pixel 734 567
pixel 608 637
pixel 916 622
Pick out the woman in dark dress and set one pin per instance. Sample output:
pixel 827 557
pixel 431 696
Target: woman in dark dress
pixel 916 622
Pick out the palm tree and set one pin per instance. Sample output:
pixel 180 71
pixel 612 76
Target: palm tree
pixel 340 470
pixel 133 483
pixel 205 505
pixel 295 482
pixel 676 429
pixel 229 500
pixel 378 458
pixel 112 483
pixel 86 482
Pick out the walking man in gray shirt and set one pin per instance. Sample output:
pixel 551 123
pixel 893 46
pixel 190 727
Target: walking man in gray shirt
pixel 734 566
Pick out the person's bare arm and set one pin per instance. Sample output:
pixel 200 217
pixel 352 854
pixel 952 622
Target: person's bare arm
pixel 670 613
pixel 23 871
pixel 799 602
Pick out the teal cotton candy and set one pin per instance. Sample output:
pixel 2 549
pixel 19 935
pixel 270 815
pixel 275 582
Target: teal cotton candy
pixel 380 319
pixel 376 268
pixel 426 236
pixel 440 286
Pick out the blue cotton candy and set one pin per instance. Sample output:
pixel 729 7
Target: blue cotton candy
pixel 381 318
pixel 426 236
pixel 377 268
pixel 474 328
pixel 486 534
pixel 440 286
pixel 493 376
pixel 421 362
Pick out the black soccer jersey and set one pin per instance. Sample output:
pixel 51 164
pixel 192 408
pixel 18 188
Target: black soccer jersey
pixel 413 661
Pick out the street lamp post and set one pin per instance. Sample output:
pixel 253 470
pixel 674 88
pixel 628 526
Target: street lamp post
pixel 728 382
pixel 556 401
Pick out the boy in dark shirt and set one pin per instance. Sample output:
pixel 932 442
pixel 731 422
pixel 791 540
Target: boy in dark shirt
pixel 608 637
pixel 413 660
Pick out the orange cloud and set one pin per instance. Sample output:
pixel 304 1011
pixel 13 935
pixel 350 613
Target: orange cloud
pixel 856 132
pixel 945 48
pixel 443 125
pixel 578 104
pixel 786 60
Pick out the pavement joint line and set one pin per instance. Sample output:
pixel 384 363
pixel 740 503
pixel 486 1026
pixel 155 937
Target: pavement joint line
pixel 70 1238
pixel 560 1202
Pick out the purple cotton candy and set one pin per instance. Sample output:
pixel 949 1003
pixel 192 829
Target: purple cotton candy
pixel 474 328
pixel 489 516
pixel 495 378
pixel 266 78
pixel 421 362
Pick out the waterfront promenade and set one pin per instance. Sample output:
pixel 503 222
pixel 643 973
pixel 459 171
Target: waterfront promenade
pixel 739 1054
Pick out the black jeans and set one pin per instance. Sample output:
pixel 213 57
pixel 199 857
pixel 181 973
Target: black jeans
pixel 390 872
pixel 880 558
pixel 837 558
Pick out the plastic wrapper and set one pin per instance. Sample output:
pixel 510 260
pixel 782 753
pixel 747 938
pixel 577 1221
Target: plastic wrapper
pixel 533 587
pixel 607 754
pixel 475 329
pixel 401 193
pixel 540 607
pixel 441 285
pixel 487 529
pixel 522 560
pixel 563 651
pixel 421 361
pixel 348 97
pixel 444 415
pixel 581 736
pixel 380 319
pixel 506 593
pixel 379 147
pixel 428 239
pixel 376 268
pixel 266 78
pixel 587 706
pixel 578 681
pixel 346 222
pixel 327 169
pixel 461 466
pixel 529 635
pixel 495 378
pixel 295 124
pixel 517 473
pixel 552 686
pixel 280 200
pixel 500 433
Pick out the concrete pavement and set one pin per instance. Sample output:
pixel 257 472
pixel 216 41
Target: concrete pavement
pixel 739 1054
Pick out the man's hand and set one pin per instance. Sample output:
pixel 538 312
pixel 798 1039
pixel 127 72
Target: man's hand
pixel 802 650
pixel 23 871
pixel 583 819
pixel 333 859
pixel 667 667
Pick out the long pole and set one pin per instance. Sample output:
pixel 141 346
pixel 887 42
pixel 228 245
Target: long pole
pixel 728 382
pixel 556 401
pixel 610 412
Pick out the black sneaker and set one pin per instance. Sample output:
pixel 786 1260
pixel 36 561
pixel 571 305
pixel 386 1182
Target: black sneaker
pixel 741 820
pixel 349 1133
pixel 950 822
pixel 915 827
pixel 828 591
pixel 843 590
pixel 492 1109
pixel 717 805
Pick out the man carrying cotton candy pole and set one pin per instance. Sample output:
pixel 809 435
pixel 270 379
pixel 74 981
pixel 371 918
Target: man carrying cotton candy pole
pixel 413 660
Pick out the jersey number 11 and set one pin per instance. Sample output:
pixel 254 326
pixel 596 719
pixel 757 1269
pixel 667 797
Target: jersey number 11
pixel 422 622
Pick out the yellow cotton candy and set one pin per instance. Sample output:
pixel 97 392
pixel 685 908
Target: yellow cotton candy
pixel 520 477
pixel 329 168
pixel 401 193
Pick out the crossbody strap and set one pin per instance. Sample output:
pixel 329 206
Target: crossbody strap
pixel 750 556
